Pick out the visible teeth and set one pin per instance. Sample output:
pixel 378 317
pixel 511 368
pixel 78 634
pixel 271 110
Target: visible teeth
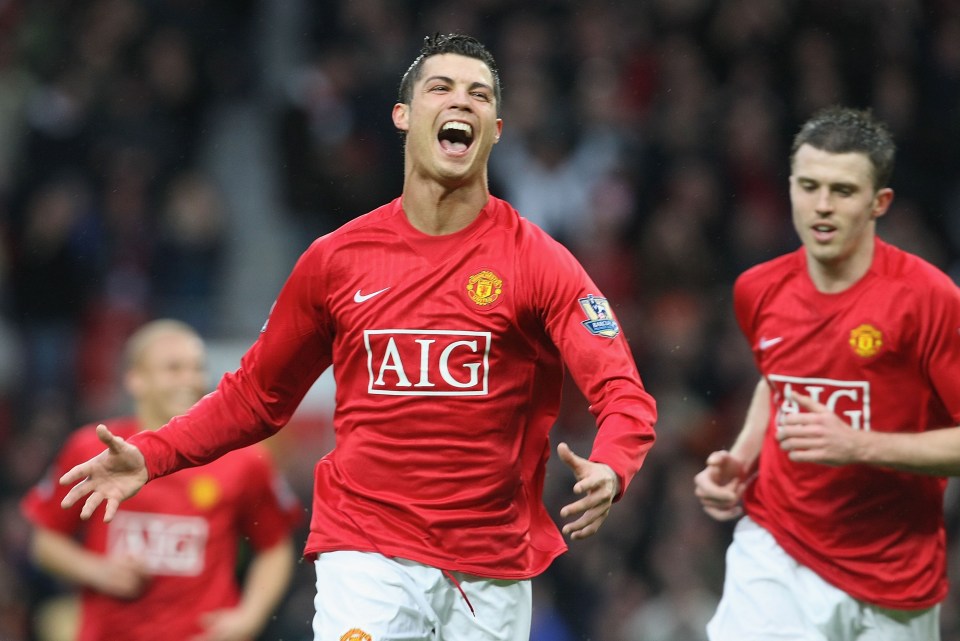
pixel 461 126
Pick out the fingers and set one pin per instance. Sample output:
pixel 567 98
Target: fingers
pixel 567 456
pixel 90 506
pixel 590 475
pixel 111 510
pixel 589 523
pixel 599 491
pixel 719 498
pixel 598 482
pixel 727 514
pixel 79 490
pixel 807 403
pixel 75 474
pixel 710 492
pixel 113 443
pixel 720 485
pixel 722 469
pixel 592 508
pixel 578 507
pixel 582 528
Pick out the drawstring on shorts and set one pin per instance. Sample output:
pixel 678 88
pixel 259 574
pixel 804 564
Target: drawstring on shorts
pixel 453 579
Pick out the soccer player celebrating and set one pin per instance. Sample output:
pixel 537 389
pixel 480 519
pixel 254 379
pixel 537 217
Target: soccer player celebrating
pixel 448 320
pixel 841 461
pixel 165 566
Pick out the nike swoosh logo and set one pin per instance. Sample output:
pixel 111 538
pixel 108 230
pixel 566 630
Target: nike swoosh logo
pixel 766 343
pixel 360 297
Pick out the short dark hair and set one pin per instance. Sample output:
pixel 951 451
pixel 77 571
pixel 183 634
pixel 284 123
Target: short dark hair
pixel 457 43
pixel 840 130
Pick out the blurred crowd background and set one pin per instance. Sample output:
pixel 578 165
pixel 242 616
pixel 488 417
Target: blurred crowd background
pixel 174 157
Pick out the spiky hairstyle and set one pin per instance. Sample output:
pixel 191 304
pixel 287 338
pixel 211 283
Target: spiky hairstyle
pixel 840 130
pixel 451 43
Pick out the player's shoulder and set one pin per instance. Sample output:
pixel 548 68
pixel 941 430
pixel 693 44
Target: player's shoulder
pixel 533 241
pixel 772 272
pixel 371 222
pixel 918 274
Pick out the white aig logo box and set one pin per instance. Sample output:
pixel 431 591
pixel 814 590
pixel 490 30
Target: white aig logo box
pixel 166 543
pixel 420 362
pixel 850 400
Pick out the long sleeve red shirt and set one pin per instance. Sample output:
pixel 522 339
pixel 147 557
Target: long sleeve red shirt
pixel 448 354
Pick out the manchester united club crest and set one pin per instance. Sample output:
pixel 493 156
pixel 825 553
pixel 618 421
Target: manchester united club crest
pixel 356 634
pixel 204 492
pixel 866 340
pixel 484 288
pixel 600 320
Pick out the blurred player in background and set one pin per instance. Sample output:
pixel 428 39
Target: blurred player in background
pixel 448 320
pixel 165 567
pixel 853 426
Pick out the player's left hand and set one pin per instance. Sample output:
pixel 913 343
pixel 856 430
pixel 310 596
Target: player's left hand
pixel 599 483
pixel 226 625
pixel 817 435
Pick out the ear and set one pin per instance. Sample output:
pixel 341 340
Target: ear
pixel 881 202
pixel 401 116
pixel 496 138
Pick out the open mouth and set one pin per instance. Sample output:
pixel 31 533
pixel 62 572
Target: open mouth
pixel 455 137
pixel 823 232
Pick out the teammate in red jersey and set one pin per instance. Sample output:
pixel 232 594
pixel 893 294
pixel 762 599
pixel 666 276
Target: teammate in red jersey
pixel 448 320
pixel 852 428
pixel 165 565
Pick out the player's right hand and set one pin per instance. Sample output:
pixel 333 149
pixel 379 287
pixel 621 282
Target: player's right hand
pixel 720 486
pixel 115 474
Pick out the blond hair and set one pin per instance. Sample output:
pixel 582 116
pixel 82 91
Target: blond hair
pixel 146 334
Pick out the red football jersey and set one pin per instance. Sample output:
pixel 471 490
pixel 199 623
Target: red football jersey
pixel 449 355
pixel 882 355
pixel 186 527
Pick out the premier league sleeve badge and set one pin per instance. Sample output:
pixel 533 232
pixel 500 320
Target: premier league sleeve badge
pixel 600 320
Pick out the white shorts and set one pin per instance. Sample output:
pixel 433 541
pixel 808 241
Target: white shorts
pixel 767 596
pixel 364 596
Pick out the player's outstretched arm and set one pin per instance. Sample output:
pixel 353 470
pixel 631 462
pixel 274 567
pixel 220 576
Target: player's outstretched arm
pixel 600 485
pixel 115 474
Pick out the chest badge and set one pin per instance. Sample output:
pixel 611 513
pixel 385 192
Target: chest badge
pixel 866 340
pixel 204 492
pixel 484 287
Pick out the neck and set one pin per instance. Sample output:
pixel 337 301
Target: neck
pixel 835 277
pixel 150 421
pixel 437 209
